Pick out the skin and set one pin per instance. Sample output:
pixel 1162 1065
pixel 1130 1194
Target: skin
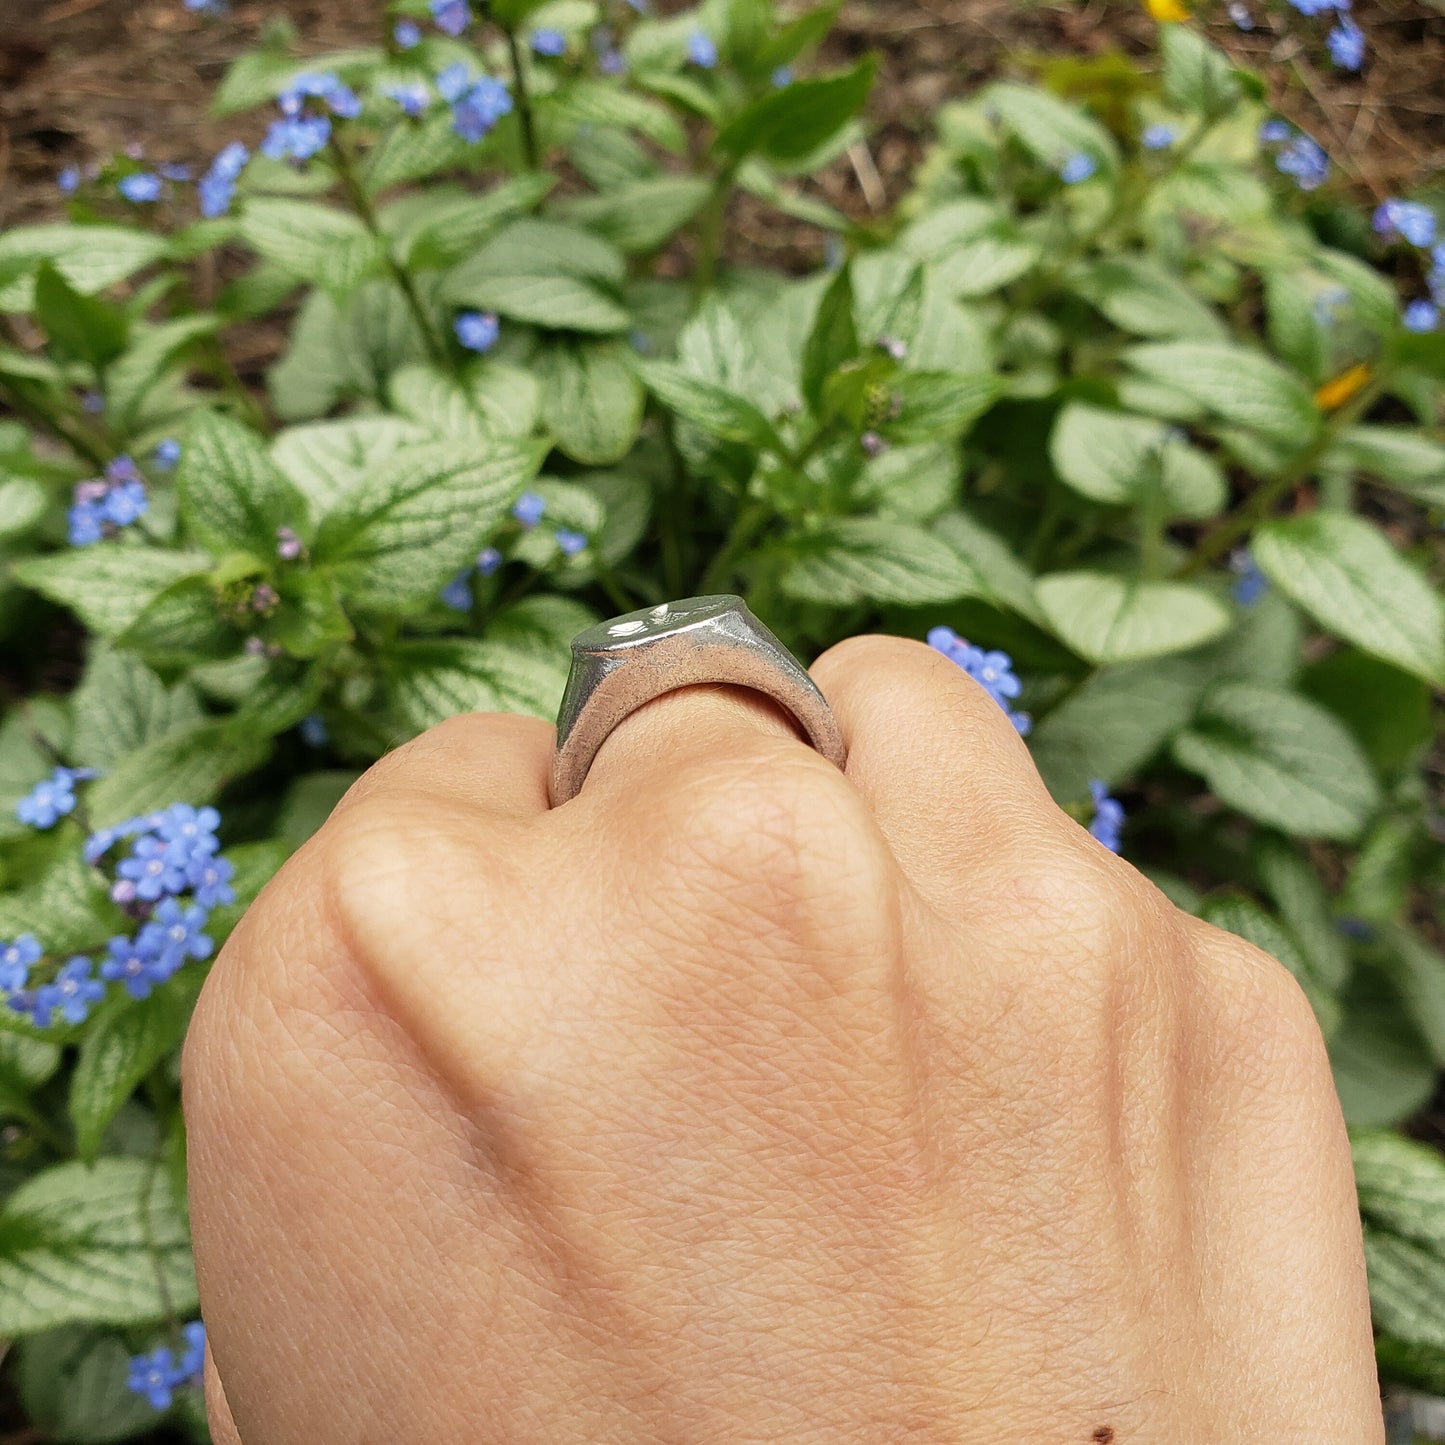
pixel 740 1100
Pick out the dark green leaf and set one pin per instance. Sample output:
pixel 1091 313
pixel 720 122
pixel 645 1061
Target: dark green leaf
pixel 232 497
pixel 788 124
pixel 833 340
pixel 83 328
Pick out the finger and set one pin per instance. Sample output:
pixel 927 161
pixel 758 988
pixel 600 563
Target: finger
pixel 945 773
pixel 218 1412
pixel 495 762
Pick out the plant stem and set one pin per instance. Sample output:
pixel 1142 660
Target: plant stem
pixel 710 232
pixel 524 102
pixel 361 204
pixel 750 520
pixel 1233 529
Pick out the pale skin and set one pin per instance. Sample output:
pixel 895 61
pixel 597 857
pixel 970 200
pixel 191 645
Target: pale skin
pixel 740 1099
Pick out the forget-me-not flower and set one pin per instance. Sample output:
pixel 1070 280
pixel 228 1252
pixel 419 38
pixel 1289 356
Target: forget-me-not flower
pixel 1250 583
pixel 571 542
pixel 157 868
pixel 528 509
pixel 451 17
pixel 173 934
pixel 549 42
pixel 406 34
pixel 210 877
pixel 1346 42
pixel 1108 822
pixel 71 994
pixel 1408 220
pixel 217 187
pixel 477 330
pixel 702 49
pixel 1077 167
pixel 488 561
pixel 16 961
pixel 1158 137
pixel 49 801
pixel 1422 316
pixel 411 95
pixel 477 112
pixel 141 187
pixel 1306 161
pixel 993 671
pixel 457 594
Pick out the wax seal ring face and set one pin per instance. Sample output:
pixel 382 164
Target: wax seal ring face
pixel 619 665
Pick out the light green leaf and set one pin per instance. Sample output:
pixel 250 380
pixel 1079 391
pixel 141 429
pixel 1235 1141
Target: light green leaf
pixel 73 1384
pixel 644 215
pixel 23 501
pixel 596 103
pixel 1197 77
pixel 1006 581
pixel 1238 384
pixel 109 584
pixel 90 258
pixel 592 400
pixel 1106 619
pixel 1383 1070
pixel 985 261
pixel 152 350
pixel 1115 723
pixel 1401 1186
pixel 121 1045
pixel 1305 907
pixel 1348 577
pixel 558 302
pixel 327 460
pixel 412 150
pixel 67 908
pixel 104 1243
pixel 1396 455
pixel 1049 128
pixel 709 406
pixel 1139 296
pixel 938 404
pixel 457 222
pixel 871 558
pixel 1281 760
pixel 330 248
pixel 1407 1288
pixel 428 682
pixel 232 497
pixel 1418 972
pixel 912 483
pixel 121 704
pixel 418 516
pixel 543 627
pixel 190 765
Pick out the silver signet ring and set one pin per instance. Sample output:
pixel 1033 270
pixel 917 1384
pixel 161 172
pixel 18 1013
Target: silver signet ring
pixel 618 666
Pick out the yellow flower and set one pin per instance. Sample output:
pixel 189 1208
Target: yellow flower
pixel 1348 384
pixel 1167 10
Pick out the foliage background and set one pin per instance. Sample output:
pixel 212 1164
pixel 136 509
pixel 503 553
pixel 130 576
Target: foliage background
pixel 1043 400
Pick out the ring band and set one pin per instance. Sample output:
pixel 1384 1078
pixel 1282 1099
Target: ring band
pixel 619 665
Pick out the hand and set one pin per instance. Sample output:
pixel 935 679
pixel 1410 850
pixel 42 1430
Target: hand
pixel 737 1100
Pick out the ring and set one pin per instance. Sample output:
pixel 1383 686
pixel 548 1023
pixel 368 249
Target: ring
pixel 618 666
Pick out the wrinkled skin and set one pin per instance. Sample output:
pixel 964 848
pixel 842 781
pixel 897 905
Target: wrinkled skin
pixel 740 1100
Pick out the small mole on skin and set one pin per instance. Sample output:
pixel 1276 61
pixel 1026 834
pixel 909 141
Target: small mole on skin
pixel 1104 1434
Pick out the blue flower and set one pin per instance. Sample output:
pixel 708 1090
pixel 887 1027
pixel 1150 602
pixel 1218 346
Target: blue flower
pixel 324 86
pixel 1346 44
pixel 1422 316
pixel 298 139
pixel 451 17
pixel 454 82
pixel 194 1359
pixel 528 509
pixel 92 402
pixel 210 877
pixel 172 171
pixel 1408 220
pixel 993 671
pixel 1251 584
pixel 191 829
pixel 411 95
pixel 46 803
pixel 1158 137
pixel 571 542
pixel 477 330
pixel 549 42
pixel 1319 7
pixel 1303 159
pixel 314 734
pixel 1108 822
pixel 488 561
pixel 218 186
pixel 1077 167
pixel 207 7
pixel 155 867
pixel 457 594
pixel 702 49
pixel 134 963
pixel 70 994
pixel 86 522
pixel 406 34
pixel 153 1375
pixel 142 187
pixel 173 934
pixel 16 961
pixel 782 77
pixel 166 454
pixel 1239 13
pixel 126 503
pixel 1275 132
pixel 68 180
pixel 479 110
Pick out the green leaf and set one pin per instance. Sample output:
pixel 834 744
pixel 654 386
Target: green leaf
pixel 1407 1289
pixel 1049 128
pixel 1197 76
pixel 121 704
pixel 1281 760
pixel 1396 455
pixel 543 626
pixel 1300 897
pixel 190 765
pixel 90 258
pixel 151 352
pixel 1389 711
pixel 1401 1186
pixel 1418 972
pixel 1348 577
pixel 712 408
pixel 599 104
pixel 1006 581
pixel 644 215
pixel 103 1243
pixel 1115 723
pixel 1139 296
pixel 1422 1366
pixel 1236 383
pixel 1383 1070
pixel 412 150
pixel 798 37
pixel 232 497
pixel 181 626
pixel 789 124
pixel 938 404
pixel 418 516
pixel 592 400
pixel 73 1384
pixel 457 222
pixel 833 340
pixel 428 682
pixel 332 249
pixel 1246 919
pixel 327 460
pixel 23 502
pixel 84 328
pixel 871 558
pixel 25 1064
pixel 108 585
pixel 1117 619
pixel 561 303
pixel 121 1045
pixel 67 908
pixel 310 801
pixel 1116 459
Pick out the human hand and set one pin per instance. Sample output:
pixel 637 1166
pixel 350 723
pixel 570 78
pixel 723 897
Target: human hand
pixel 737 1100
